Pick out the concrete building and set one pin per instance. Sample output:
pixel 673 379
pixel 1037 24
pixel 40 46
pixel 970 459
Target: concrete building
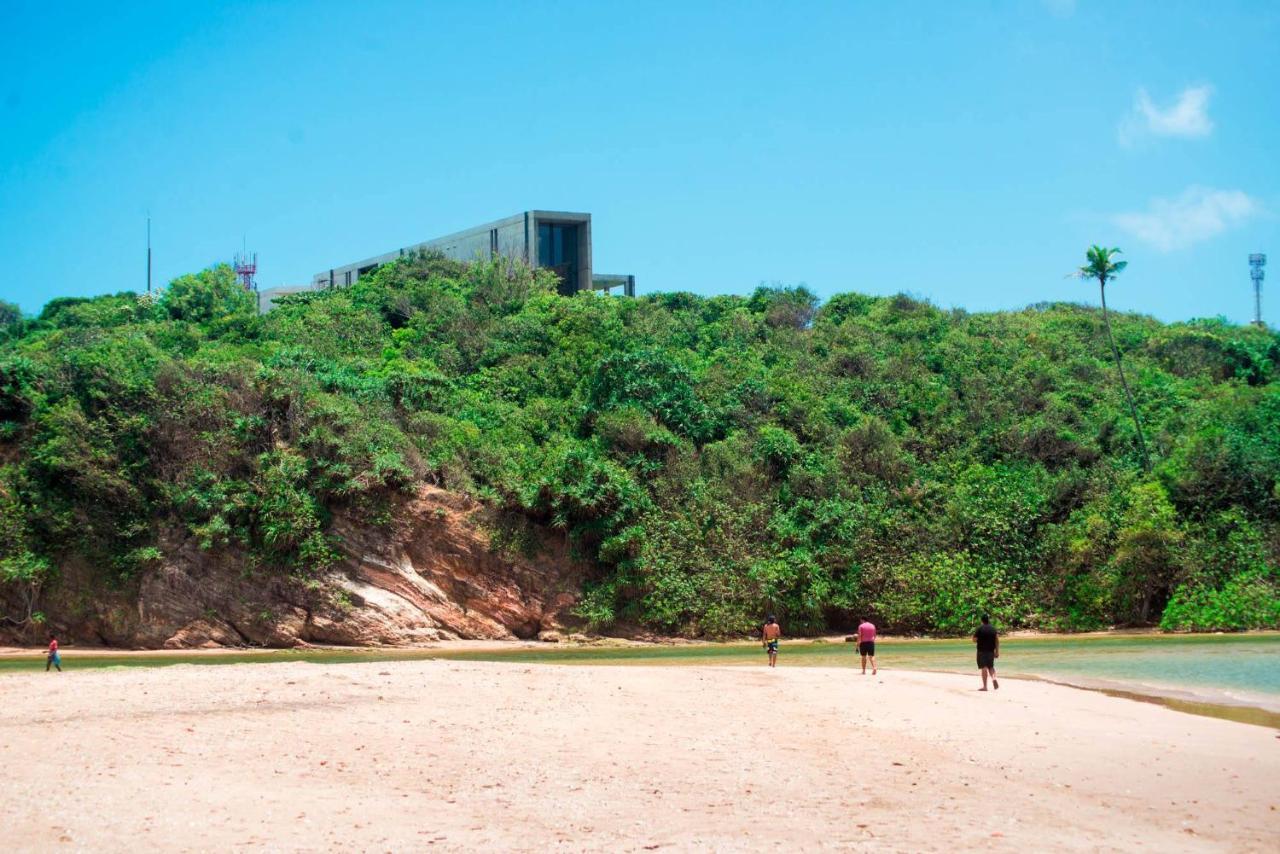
pixel 553 240
pixel 267 296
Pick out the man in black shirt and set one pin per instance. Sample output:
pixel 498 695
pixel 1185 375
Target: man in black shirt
pixel 988 651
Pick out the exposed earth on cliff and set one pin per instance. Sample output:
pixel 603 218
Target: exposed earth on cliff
pixel 444 568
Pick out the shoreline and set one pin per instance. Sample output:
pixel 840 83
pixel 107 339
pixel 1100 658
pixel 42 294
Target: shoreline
pixel 240 651
pixel 1260 711
pixel 1255 707
pixel 605 641
pixel 1255 710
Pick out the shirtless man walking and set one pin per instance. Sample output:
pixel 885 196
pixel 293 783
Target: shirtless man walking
pixel 769 636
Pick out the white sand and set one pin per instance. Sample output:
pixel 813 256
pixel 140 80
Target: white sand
pixel 457 755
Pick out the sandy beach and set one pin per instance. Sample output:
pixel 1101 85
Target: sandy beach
pixel 463 756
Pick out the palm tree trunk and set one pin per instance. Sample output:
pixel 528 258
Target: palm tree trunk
pixel 1115 351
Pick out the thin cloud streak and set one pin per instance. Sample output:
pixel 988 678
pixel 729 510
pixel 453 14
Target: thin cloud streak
pixel 1186 118
pixel 1197 215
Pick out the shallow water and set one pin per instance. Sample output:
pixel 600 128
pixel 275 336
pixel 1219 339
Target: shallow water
pixel 1233 669
pixel 1224 675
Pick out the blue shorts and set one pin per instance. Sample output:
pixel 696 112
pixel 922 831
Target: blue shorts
pixel 771 646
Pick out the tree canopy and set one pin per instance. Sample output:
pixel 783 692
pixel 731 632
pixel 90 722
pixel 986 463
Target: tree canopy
pixel 715 457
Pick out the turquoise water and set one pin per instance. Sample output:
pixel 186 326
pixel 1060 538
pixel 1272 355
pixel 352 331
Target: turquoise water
pixel 1241 670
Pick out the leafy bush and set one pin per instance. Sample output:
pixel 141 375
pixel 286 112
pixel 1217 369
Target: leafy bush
pixel 714 457
pixel 210 296
pixel 1247 601
pixel 948 593
pixel 656 383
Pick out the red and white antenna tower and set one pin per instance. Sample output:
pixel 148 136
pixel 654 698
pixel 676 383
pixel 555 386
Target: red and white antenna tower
pixel 246 267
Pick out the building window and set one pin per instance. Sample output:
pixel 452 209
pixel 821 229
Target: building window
pixel 557 244
pixel 558 252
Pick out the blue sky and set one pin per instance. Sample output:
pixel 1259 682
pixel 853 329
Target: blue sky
pixel 965 152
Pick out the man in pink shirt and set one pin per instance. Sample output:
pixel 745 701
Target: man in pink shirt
pixel 867 645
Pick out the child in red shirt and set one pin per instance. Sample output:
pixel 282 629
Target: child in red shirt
pixel 54 659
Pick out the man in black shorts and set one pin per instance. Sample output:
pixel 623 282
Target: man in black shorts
pixel 769 637
pixel 988 651
pixel 867 645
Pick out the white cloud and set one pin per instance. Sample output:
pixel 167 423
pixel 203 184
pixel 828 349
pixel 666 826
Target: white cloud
pixel 1196 215
pixel 1186 117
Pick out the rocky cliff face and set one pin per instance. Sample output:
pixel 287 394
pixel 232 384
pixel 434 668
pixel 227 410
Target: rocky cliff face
pixel 434 573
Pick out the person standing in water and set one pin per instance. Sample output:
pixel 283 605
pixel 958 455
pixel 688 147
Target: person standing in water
pixel 867 645
pixel 769 636
pixel 988 651
pixel 54 660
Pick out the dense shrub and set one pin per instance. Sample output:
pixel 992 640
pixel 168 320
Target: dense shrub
pixel 1247 601
pixel 715 457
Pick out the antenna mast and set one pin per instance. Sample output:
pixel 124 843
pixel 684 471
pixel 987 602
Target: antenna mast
pixel 148 253
pixel 246 265
pixel 1256 262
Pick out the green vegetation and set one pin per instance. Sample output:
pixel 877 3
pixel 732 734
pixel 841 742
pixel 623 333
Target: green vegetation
pixel 715 457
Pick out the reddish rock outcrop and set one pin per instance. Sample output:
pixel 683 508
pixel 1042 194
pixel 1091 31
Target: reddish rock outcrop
pixel 433 573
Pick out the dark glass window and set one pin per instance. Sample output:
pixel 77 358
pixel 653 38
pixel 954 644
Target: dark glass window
pixel 557 244
pixel 544 245
pixel 558 252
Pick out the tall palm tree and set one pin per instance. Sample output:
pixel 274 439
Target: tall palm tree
pixel 1103 267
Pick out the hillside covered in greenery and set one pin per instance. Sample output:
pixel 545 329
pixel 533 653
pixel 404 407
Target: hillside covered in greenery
pixel 716 458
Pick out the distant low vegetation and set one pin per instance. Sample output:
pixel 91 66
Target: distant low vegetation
pixel 716 457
